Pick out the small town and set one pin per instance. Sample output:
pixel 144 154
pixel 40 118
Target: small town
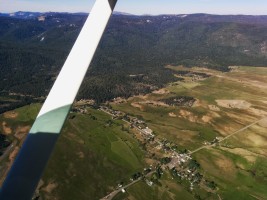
pixel 179 163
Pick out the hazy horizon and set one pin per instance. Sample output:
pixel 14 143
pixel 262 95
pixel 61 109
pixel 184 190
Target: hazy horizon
pixel 126 13
pixel 138 7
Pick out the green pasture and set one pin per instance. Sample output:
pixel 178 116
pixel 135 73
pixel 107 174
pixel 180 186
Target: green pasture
pixel 234 182
pixel 90 158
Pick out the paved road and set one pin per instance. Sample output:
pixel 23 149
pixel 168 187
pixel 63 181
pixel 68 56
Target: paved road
pixel 228 136
pixel 115 192
pixel 105 111
pixel 140 130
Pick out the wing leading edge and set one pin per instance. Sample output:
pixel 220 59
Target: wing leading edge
pixel 26 171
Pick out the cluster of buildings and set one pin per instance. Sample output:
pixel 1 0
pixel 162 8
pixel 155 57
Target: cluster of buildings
pixel 82 110
pixel 114 113
pixel 180 163
pixel 81 105
pixel 140 125
pixel 178 160
pixel 214 141
pixel 184 168
pixel 188 175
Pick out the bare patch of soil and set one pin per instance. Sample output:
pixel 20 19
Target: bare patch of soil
pixel 206 118
pixel 250 156
pixel 258 112
pixel 119 100
pixel 13 154
pixel 40 184
pixel 225 129
pixel 7 130
pixel 84 102
pixel 187 135
pixel 197 103
pixel 258 84
pixel 263 123
pixel 188 115
pixel 214 114
pixel 214 108
pixel 6 166
pixel 239 104
pixel 153 103
pixel 193 118
pixel 50 187
pixel 225 164
pixel 256 139
pixel 149 161
pixel 245 119
pixel 21 131
pixel 10 114
pixel 217 164
pixel 137 105
pixel 171 114
pixel 161 91
pixel 80 154
pixel 144 97
pixel 75 138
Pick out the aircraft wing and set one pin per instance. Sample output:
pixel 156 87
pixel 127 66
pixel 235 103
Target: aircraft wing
pixel 29 165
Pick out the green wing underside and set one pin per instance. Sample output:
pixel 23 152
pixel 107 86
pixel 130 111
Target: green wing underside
pixel 35 152
pixel 51 122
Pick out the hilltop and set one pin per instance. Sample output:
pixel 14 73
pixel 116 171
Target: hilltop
pixel 132 54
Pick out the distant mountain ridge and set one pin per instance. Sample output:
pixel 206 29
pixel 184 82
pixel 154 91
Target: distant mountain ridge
pixel 34 43
pixel 22 15
pixel 32 15
pixel 203 16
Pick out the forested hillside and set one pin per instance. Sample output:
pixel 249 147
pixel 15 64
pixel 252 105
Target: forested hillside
pixel 132 54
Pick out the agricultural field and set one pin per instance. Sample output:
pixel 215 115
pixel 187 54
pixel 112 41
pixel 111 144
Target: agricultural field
pixel 92 155
pixel 230 108
pixel 218 119
pixel 15 125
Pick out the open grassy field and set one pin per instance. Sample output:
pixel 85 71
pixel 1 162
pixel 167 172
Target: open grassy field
pixel 15 125
pixel 245 104
pixel 91 157
pixel 236 176
pixel 226 103
pixel 94 152
pixel 168 190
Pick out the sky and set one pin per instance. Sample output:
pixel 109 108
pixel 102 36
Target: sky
pixel 153 7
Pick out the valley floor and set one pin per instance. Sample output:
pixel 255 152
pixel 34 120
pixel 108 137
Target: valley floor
pixel 200 138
